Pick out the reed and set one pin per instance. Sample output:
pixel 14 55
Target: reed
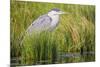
pixel 74 34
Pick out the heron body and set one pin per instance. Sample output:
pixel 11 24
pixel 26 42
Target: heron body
pixel 42 23
pixel 46 22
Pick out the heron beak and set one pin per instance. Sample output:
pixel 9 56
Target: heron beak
pixel 61 12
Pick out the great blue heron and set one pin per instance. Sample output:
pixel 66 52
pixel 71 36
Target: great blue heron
pixel 45 22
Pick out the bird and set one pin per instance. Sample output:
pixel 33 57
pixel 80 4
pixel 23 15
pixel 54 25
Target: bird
pixel 46 22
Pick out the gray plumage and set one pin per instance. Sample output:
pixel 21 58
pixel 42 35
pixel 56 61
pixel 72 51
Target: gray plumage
pixel 46 22
pixel 42 23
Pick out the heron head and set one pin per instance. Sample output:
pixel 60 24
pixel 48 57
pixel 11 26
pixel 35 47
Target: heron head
pixel 56 11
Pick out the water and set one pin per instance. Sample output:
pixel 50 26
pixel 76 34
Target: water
pixel 77 57
pixel 62 58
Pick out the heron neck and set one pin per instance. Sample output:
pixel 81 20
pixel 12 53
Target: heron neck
pixel 55 19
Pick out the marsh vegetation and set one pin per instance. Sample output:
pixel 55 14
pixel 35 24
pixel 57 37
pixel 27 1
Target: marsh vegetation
pixel 72 41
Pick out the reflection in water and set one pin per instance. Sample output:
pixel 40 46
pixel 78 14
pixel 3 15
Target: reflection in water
pixel 66 58
pixel 77 57
pixel 77 54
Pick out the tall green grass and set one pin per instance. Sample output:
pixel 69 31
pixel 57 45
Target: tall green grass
pixel 74 34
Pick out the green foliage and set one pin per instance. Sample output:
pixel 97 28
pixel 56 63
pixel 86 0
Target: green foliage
pixel 74 34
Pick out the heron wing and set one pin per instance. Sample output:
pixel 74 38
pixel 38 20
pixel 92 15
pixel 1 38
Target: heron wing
pixel 42 23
